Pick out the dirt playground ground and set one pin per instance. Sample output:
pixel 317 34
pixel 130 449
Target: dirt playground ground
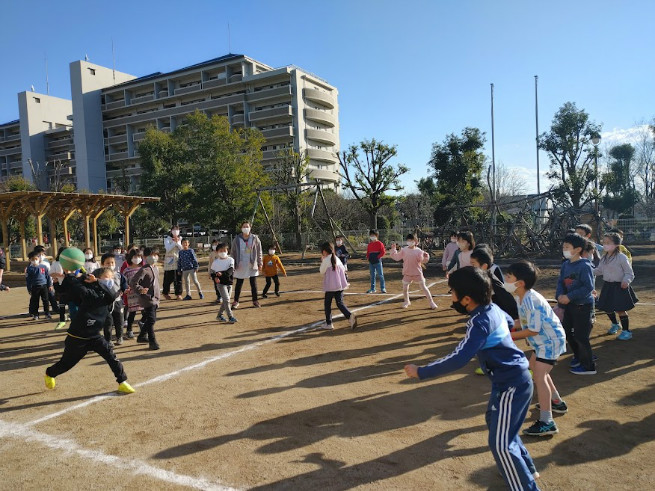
pixel 273 403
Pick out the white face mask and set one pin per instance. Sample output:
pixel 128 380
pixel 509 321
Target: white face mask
pixel 175 232
pixel 117 253
pixel 373 238
pixel 411 243
pixel 88 257
pixel 462 246
pixel 136 260
pixel 222 254
pixel 609 247
pixel 454 240
pixel 339 242
pixel 34 263
pixel 245 230
pixel 567 254
pixel 271 252
pixel 510 287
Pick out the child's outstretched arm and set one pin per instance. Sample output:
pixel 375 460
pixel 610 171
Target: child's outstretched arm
pixel 280 266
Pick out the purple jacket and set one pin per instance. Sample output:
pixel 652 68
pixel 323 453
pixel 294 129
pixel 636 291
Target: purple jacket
pixel 334 280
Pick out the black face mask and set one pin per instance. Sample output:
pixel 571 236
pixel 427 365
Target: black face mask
pixel 459 308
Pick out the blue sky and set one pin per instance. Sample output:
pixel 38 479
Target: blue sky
pixel 408 72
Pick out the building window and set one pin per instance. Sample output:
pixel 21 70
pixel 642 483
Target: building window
pixel 92 71
pixel 37 100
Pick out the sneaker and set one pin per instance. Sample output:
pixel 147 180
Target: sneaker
pixel 580 370
pixel 256 304
pixel 383 290
pixel 433 306
pixel 406 305
pixel 479 371
pixel 625 335
pixel 129 335
pixel 264 295
pixel 60 325
pixel 48 316
pixel 142 339
pixel 126 388
pixel 557 407
pixel 232 320
pixel 35 317
pixel 235 305
pixel 371 291
pixel 167 296
pixel 124 324
pixel 140 323
pixel 277 294
pixel 188 297
pixel 614 329
pixel 178 297
pixel 110 343
pixel 221 318
pixel 153 346
pixel 326 326
pixel 353 321
pixel 539 428
pixel 576 363
pixel 201 296
pixel 119 341
pixel 50 382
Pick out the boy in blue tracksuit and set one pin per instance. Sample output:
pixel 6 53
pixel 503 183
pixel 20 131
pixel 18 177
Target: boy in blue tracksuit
pixel 39 284
pixel 488 337
pixel 574 293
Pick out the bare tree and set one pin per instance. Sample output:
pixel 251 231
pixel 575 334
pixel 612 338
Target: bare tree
pixel 508 183
pixel 645 167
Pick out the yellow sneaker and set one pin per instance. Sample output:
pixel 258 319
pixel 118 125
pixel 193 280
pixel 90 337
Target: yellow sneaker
pixel 50 382
pixel 60 325
pixel 126 388
pixel 478 371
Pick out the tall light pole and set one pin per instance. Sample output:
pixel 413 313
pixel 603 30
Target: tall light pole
pixel 536 124
pixel 493 171
pixel 596 140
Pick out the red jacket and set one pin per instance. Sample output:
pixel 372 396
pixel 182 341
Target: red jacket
pixel 375 251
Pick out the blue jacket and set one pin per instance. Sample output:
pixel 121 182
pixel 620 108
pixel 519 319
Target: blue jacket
pixel 576 280
pixel 37 275
pixel 488 337
pixel 187 260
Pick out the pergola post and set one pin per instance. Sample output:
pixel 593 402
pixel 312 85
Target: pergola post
pixel 23 240
pixel 53 236
pixel 65 223
pixel 96 239
pixel 5 241
pixel 39 229
pixel 87 231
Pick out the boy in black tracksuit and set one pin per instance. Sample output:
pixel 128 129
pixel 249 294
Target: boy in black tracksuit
pixel 39 284
pixel 93 296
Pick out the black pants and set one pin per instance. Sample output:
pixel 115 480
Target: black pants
pixel 149 319
pixel 75 349
pixel 276 280
pixel 53 300
pixel 39 292
pixel 174 277
pixel 338 296
pixel 577 324
pixel 253 288
pixel 115 317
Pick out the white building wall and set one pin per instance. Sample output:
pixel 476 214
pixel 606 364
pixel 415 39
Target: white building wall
pixel 87 80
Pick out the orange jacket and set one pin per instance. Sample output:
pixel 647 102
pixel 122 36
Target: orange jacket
pixel 272 264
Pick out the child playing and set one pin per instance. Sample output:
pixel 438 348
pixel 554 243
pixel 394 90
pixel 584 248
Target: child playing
pixel 616 296
pixel 146 283
pixel 222 272
pixel 172 246
pixel 213 255
pixel 272 265
pixel 574 294
pixel 462 257
pixel 374 253
pixel 131 297
pixel 449 251
pixel 341 252
pixel 43 260
pixel 585 231
pixel 115 316
pixel 90 263
pixel 413 260
pixel 334 283
pixel 482 258
pixel 488 337
pixel 188 266
pixel 93 295
pixel 622 247
pixel 57 275
pixel 544 332
pixel 39 284
pixel 3 265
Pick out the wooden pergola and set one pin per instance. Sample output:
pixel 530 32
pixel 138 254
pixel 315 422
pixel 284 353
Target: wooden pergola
pixel 19 205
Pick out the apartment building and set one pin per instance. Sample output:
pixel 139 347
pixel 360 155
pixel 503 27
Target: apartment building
pixel 291 107
pixel 92 140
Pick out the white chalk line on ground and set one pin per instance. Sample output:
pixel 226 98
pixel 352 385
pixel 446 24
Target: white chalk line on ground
pixel 66 446
pixel 222 356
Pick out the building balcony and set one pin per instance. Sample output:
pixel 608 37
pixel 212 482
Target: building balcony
pixel 277 92
pixel 10 151
pixel 323 98
pixel 61 144
pixel 114 105
pixel 275 133
pixel 323 175
pixel 137 137
pixel 161 94
pixel 322 155
pixel 60 156
pixel 188 89
pixel 117 156
pixel 12 137
pixel 321 136
pixel 217 82
pixel 238 119
pixel 112 140
pixel 143 98
pixel 237 77
pixel 273 113
pixel 321 117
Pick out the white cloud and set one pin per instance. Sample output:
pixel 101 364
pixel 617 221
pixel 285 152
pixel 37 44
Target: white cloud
pixel 618 136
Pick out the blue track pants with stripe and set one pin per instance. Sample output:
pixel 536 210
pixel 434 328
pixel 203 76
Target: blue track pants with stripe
pixel 505 416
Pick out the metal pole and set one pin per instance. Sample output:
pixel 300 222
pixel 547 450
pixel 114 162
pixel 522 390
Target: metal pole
pixel 536 125
pixel 596 207
pixel 493 171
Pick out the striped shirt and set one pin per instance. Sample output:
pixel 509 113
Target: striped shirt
pixel 536 314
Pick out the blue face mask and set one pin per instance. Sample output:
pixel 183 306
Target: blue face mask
pixel 108 284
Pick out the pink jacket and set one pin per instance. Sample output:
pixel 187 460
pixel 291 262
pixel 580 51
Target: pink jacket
pixel 412 260
pixel 334 280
